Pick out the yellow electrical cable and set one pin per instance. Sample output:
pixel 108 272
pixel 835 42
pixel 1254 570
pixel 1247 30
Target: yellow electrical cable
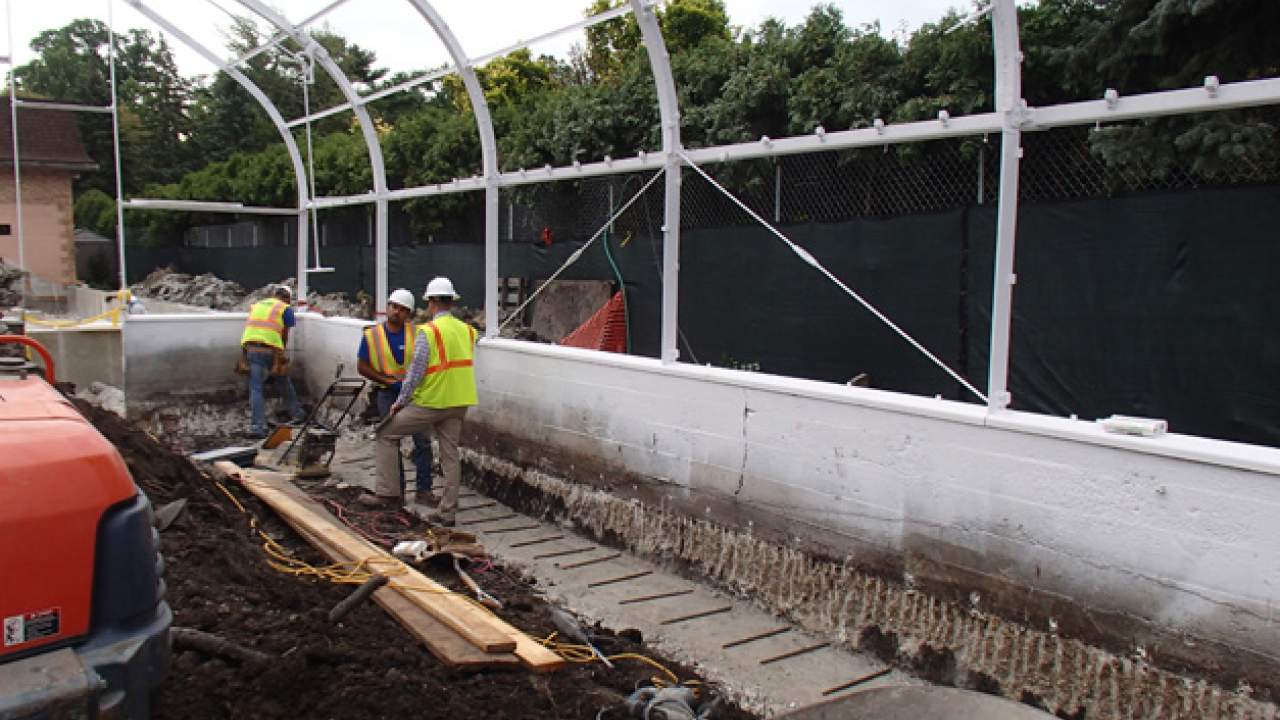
pixel 583 654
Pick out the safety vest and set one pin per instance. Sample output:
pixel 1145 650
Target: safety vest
pixel 266 323
pixel 380 355
pixel 450 380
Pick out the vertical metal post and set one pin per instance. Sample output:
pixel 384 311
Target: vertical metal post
pixel 13 121
pixel 492 195
pixel 669 110
pixel 115 142
pixel 777 191
pixel 380 215
pixel 1008 57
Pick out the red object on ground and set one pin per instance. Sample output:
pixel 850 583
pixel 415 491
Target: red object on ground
pixel 605 330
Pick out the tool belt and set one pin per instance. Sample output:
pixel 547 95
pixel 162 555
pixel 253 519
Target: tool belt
pixel 280 364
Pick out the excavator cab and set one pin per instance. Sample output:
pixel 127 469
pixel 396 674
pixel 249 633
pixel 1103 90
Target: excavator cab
pixel 84 626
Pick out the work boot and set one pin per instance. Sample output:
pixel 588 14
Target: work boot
pixel 378 502
pixel 438 518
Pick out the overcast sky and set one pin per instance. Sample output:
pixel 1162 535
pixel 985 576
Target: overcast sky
pixel 403 41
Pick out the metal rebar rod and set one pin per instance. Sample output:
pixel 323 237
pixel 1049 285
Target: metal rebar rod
pixel 478 506
pixel 853 683
pixel 752 638
pixel 575 551
pixel 477 521
pixel 620 578
pixel 793 653
pixel 695 616
pixel 585 563
pixel 514 528
pixel 539 541
pixel 659 596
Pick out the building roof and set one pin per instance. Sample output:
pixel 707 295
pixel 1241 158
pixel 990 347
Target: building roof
pixel 85 235
pixel 46 138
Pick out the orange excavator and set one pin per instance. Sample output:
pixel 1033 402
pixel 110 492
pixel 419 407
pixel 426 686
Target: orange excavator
pixel 85 627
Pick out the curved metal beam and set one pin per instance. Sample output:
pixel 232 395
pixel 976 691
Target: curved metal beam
pixel 669 112
pixel 317 51
pixel 295 156
pixel 488 154
pixel 1009 103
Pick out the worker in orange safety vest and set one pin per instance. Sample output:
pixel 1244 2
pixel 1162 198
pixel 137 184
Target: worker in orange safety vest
pixel 266 333
pixel 383 358
pixel 438 388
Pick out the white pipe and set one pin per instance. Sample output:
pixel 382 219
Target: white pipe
pixel 1008 72
pixel 115 143
pixel 73 107
pixel 489 160
pixel 17 164
pixel 376 165
pixel 205 206
pixel 478 60
pixel 669 114
pixel 295 156
pixel 275 39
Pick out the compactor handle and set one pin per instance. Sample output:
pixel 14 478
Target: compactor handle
pixel 49 371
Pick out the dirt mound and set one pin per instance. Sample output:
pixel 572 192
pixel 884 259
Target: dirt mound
pixel 366 667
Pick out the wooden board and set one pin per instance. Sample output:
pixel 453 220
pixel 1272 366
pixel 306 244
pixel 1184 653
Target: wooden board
pixel 446 645
pixel 484 630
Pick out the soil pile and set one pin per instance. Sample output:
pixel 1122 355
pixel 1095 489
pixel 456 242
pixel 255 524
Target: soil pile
pixel 365 667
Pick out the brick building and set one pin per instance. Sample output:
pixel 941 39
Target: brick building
pixel 52 154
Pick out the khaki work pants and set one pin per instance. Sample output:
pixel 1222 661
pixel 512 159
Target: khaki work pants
pixel 446 425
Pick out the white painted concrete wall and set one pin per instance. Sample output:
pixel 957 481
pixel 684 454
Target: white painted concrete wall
pixel 1177 530
pixel 181 355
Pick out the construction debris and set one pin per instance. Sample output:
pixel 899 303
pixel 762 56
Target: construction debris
pixel 210 644
pixel 102 395
pixel 211 291
pixel 10 294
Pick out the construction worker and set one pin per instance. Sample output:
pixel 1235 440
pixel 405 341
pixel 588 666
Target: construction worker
pixel 438 388
pixel 383 358
pixel 266 333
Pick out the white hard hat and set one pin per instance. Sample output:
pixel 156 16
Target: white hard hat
pixel 401 297
pixel 441 287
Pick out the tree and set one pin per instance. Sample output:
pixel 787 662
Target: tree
pixel 73 66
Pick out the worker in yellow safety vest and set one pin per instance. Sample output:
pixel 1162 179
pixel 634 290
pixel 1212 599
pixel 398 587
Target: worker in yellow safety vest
pixel 383 358
pixel 438 388
pixel 265 335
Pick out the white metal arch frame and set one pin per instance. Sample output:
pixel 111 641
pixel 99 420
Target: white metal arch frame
pixel 367 130
pixel 489 158
pixel 295 156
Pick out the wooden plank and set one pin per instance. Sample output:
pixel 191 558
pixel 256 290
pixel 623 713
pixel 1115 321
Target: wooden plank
pixel 443 604
pixel 451 609
pixel 446 645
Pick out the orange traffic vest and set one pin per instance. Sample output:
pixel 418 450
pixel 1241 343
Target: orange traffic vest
pixel 380 355
pixel 450 380
pixel 266 323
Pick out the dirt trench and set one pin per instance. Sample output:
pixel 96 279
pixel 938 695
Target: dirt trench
pixel 367 666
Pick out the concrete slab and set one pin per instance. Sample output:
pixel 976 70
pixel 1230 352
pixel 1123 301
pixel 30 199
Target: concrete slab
pixel 917 703
pixel 764 662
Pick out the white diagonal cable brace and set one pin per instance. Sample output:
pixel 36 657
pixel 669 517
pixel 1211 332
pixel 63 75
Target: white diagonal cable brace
pixel 811 260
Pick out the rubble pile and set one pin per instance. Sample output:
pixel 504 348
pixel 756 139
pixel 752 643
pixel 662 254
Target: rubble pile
pixel 10 294
pixel 206 290
pixel 211 291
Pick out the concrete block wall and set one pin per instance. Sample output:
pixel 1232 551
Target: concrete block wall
pixel 168 357
pixel 1116 539
pixel 84 355
pixel 1153 547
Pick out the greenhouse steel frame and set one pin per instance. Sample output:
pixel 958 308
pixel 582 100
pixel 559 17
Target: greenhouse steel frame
pixel 1011 117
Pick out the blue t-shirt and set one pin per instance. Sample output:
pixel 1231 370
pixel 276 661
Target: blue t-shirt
pixel 395 340
pixel 287 317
